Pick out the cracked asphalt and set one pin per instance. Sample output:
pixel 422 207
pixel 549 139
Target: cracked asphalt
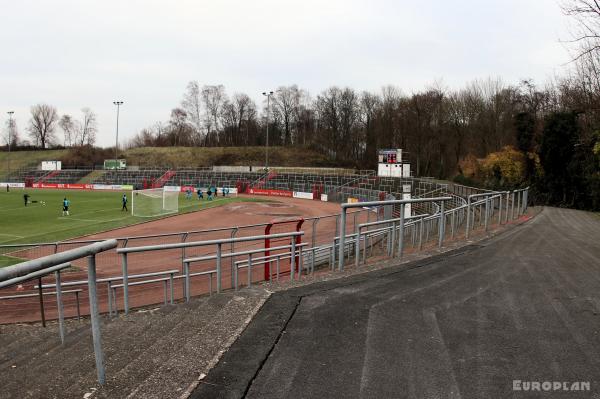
pixel 522 306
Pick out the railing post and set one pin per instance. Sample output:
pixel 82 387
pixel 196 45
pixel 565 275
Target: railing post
pixel 184 237
pixel 468 218
pixel 421 234
pixel 186 270
pixel 487 212
pixel 219 250
pixel 172 289
pixel 114 296
pixel 356 247
pixel 519 193
pixel 293 258
pixel 401 232
pixel 512 205
pixel 499 209
pixel 442 226
pixel 95 319
pixel 59 306
pixel 234 232
pixel 342 236
pixel 314 232
pixel 249 268
pixel 125 284
pixel 110 306
pixel 235 279
pixel 301 261
pixel 41 299
pixel 506 207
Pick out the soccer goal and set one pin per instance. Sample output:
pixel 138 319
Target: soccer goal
pixel 154 202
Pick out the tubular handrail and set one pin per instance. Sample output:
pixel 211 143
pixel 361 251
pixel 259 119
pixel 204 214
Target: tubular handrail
pixel 233 254
pixel 37 274
pixel 111 279
pixel 206 242
pixel 390 220
pixel 394 202
pixel 89 251
pixel 35 295
pixel 44 262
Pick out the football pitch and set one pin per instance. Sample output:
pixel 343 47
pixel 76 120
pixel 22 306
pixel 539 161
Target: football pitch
pixel 90 212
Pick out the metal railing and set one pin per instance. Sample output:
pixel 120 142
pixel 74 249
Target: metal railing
pixel 124 252
pixel 402 203
pixel 15 274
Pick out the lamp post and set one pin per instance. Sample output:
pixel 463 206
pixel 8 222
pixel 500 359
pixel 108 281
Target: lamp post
pixel 118 104
pixel 10 127
pixel 268 95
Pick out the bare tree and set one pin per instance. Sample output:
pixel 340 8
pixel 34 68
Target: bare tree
pixel 42 124
pixel 369 108
pixel 286 108
pixel 192 105
pixel 214 98
pixel 68 126
pixel 235 114
pixel 180 132
pixel 586 34
pixel 349 112
pixel 87 128
pixel 145 138
pixel 390 134
pixel 327 105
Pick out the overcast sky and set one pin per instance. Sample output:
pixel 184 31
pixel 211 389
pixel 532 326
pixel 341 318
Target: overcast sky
pixel 75 54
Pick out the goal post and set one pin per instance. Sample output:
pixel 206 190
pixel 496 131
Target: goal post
pixel 154 202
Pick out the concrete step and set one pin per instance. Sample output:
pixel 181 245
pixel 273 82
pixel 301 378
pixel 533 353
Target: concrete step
pixel 90 177
pixel 151 352
pixel 29 342
pixel 170 375
pixel 75 359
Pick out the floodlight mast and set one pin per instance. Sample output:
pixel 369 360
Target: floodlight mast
pixel 10 127
pixel 268 95
pixel 118 104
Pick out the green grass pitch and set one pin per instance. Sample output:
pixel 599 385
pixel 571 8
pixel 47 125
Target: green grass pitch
pixel 90 212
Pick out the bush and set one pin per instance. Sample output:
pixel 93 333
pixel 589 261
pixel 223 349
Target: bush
pixel 504 169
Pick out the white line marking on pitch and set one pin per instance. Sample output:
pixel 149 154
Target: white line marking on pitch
pixel 11 235
pixel 71 218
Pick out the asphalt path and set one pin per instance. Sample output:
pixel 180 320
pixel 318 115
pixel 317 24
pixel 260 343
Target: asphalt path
pixel 478 322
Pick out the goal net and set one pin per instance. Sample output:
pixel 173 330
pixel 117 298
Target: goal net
pixel 154 202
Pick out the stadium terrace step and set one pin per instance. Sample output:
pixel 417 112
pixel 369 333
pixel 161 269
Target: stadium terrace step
pixel 45 178
pixel 165 357
pixel 163 179
pixel 29 341
pixel 262 182
pixel 140 350
pixel 90 177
